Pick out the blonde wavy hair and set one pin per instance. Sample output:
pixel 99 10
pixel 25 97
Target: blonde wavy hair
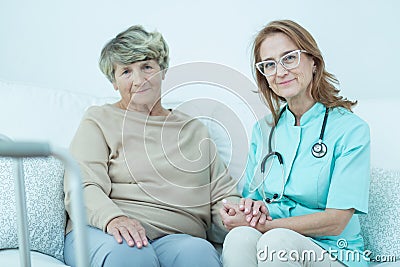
pixel 132 45
pixel 324 84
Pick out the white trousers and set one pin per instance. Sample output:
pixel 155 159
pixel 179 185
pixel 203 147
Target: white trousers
pixel 245 246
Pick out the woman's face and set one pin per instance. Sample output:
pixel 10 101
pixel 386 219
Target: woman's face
pixel 293 84
pixel 139 83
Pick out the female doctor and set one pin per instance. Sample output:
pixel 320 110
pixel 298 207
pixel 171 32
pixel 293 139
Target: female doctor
pixel 308 162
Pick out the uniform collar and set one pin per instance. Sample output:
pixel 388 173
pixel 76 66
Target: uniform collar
pixel 314 112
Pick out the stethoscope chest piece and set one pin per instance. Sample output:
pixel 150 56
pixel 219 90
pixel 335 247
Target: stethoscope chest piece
pixel 318 150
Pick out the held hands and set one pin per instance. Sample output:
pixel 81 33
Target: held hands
pixel 247 213
pixel 129 229
pixel 253 208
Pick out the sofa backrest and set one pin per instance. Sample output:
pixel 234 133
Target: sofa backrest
pixel 32 113
pixel 40 114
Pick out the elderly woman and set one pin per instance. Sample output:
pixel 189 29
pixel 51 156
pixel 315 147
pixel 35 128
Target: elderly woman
pixel 153 184
pixel 311 168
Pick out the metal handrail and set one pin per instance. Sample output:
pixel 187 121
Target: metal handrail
pixel 20 150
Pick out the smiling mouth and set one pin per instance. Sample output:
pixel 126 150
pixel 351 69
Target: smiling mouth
pixel 286 82
pixel 141 91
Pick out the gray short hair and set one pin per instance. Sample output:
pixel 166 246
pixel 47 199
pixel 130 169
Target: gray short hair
pixel 132 45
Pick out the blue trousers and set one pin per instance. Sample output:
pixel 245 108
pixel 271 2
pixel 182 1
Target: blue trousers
pixel 177 250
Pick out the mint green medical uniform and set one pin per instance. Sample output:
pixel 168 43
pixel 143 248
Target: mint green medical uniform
pixel 339 180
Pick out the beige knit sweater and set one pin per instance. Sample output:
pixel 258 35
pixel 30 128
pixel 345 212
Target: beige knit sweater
pixel 160 170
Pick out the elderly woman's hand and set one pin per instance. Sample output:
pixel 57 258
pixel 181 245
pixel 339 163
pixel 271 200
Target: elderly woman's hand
pixel 232 217
pixel 129 229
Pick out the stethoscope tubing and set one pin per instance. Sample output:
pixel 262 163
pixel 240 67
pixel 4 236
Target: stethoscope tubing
pixel 318 150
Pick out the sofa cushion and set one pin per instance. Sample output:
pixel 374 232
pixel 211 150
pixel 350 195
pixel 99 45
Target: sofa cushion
pixel 381 227
pixel 44 201
pixel 10 258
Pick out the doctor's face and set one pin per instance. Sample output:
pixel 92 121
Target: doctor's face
pixel 139 83
pixel 293 84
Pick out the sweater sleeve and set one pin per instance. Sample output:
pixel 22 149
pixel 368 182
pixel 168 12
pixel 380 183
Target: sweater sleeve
pixel 223 186
pixel 90 150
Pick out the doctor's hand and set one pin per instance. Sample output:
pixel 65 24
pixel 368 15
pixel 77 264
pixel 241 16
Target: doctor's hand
pixel 255 210
pixel 129 229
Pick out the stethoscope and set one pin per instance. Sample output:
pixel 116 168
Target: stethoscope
pixel 318 150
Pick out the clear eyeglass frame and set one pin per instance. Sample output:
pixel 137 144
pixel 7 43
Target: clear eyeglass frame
pixel 287 61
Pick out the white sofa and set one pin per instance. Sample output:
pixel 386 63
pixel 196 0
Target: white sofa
pixel 40 114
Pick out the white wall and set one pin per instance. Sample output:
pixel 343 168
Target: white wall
pixel 56 44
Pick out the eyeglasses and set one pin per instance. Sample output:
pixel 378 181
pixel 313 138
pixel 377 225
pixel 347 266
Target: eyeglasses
pixel 289 61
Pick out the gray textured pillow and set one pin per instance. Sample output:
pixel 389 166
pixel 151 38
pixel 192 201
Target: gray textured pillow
pixel 381 227
pixel 45 205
